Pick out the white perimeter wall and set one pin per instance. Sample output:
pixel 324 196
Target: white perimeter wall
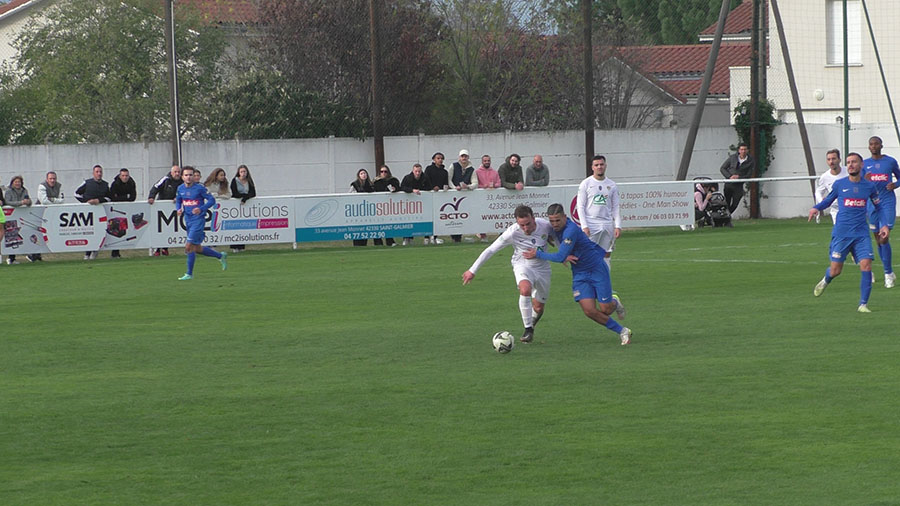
pixel 297 167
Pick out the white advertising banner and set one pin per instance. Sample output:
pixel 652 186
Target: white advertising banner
pixel 257 221
pixel 130 225
pixel 364 216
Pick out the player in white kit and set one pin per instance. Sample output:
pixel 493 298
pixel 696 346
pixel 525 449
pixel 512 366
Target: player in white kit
pixel 826 181
pixel 597 206
pixel 532 276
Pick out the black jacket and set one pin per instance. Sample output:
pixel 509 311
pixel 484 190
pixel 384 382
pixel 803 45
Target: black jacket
pixel 236 194
pixel 410 183
pixel 364 188
pixel 122 192
pixel 733 166
pixel 437 176
pixel 92 189
pixel 381 185
pixel 165 188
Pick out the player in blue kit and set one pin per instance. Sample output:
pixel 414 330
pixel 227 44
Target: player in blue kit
pixel 850 233
pixel 192 200
pixel 885 173
pixel 591 285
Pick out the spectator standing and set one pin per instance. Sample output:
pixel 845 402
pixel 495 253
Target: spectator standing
pixel 737 166
pixel 122 189
pixel 440 180
pixel 94 191
pixel 537 174
pixel 50 191
pixel 510 173
pixel 165 189
pixel 386 182
pixel 17 196
pixel 362 184
pixel 487 176
pixel 242 187
pixel 462 177
pixel 415 182
pixel 217 184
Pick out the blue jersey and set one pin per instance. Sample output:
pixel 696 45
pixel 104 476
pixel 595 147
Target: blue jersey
pixel 852 199
pixel 573 241
pixel 193 197
pixel 880 172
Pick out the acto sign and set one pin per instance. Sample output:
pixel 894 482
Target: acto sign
pixel 454 213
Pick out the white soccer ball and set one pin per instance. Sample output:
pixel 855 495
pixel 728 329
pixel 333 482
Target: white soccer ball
pixel 503 342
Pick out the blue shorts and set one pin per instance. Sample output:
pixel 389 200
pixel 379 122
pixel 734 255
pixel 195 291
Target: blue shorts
pixel 195 233
pixel 875 218
pixel 861 247
pixel 592 284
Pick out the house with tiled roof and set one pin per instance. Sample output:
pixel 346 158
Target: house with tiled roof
pixel 679 69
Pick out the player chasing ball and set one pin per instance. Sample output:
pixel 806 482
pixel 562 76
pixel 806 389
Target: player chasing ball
pixel 591 285
pixel 192 200
pixel 883 172
pixel 532 276
pixel 850 233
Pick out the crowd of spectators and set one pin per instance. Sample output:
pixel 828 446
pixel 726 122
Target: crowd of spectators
pixel 95 190
pixel 461 175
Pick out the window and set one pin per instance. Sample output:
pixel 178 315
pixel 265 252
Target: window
pixel 834 29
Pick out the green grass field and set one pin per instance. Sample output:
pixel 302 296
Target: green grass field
pixel 339 375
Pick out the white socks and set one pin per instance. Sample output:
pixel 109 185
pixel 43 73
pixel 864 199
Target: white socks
pixel 527 311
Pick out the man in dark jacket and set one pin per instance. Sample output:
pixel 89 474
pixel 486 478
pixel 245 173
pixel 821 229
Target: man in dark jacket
pixel 511 173
pixel 94 191
pixel 122 189
pixel 415 182
pixel 165 189
pixel 737 166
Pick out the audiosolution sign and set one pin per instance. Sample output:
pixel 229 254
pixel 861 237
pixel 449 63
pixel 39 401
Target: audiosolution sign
pixel 363 216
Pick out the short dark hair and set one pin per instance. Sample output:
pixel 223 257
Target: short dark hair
pixel 123 169
pixel 856 155
pixel 743 144
pixel 598 157
pixel 436 154
pixel 523 211
pixel 876 137
pixel 835 151
pixel 187 167
pixel 515 155
pixel 555 209
pixel 419 165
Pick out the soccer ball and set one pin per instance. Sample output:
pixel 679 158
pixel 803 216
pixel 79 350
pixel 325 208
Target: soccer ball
pixel 503 342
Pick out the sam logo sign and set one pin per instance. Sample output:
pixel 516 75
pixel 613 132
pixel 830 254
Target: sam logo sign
pixel 450 210
pixel 67 220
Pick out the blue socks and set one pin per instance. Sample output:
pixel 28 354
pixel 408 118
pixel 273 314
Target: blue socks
pixel 885 252
pixel 865 287
pixel 613 325
pixel 191 257
pixel 828 277
pixel 209 252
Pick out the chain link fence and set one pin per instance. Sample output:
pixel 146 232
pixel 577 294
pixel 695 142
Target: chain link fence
pixel 96 70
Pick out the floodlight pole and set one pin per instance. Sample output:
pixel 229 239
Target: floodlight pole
pixel 173 83
pixel 375 46
pixel 704 90
pixel 588 87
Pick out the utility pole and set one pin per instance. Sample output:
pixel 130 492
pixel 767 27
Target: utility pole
pixel 375 43
pixel 588 86
pixel 173 83
pixel 754 111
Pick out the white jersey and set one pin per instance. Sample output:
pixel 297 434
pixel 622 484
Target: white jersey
pixel 598 204
pixel 515 237
pixel 823 188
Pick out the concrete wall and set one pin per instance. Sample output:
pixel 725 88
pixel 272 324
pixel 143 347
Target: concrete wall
pixel 311 166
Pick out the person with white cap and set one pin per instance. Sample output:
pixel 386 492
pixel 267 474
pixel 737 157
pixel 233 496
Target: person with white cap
pixel 462 177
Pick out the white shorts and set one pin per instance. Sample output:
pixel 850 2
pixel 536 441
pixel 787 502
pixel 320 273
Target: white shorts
pixel 539 276
pixel 605 237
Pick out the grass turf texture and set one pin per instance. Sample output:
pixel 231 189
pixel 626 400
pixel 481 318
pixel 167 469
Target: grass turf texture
pixel 366 376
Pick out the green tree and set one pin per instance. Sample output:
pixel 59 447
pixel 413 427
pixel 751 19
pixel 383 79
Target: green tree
pixel 95 71
pixel 671 21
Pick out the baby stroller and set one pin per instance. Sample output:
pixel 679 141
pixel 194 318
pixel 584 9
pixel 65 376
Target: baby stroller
pixel 715 214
